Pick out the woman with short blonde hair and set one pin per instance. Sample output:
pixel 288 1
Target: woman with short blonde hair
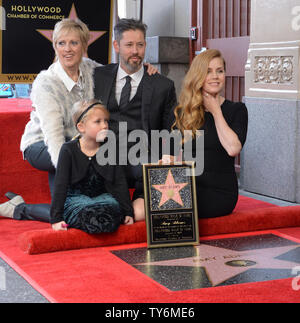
pixel 54 91
pixel 67 25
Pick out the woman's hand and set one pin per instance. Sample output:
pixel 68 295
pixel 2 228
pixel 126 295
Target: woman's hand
pixel 167 160
pixel 228 138
pixel 128 220
pixel 151 69
pixel 60 226
pixel 212 103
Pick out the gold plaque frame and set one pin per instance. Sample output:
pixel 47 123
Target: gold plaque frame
pixel 171 205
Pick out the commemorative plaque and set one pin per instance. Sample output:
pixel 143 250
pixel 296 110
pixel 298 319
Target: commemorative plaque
pixel 171 205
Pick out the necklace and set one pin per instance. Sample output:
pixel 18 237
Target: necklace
pixel 86 152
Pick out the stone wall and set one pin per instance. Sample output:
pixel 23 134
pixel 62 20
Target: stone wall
pixel 271 156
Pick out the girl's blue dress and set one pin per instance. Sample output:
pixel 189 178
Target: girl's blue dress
pixel 89 207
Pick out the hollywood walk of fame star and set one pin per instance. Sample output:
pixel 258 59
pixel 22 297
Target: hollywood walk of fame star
pixel 222 264
pixel 94 35
pixel 170 190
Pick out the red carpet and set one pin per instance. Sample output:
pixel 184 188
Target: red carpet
pixel 245 218
pixel 15 173
pixel 96 275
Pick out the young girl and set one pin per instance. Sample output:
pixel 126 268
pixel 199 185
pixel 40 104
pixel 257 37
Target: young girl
pixel 88 196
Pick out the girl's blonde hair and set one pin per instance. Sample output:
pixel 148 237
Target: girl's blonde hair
pixel 79 108
pixel 67 25
pixel 190 112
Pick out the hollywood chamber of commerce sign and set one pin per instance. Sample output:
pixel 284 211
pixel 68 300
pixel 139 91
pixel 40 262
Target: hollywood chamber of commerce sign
pixel 26 29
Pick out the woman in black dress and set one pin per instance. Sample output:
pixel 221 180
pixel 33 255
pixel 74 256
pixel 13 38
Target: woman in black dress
pixel 201 107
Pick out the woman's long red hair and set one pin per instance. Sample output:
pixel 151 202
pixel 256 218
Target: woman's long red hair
pixel 190 112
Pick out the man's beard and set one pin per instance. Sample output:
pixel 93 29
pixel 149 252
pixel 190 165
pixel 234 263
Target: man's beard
pixel 133 67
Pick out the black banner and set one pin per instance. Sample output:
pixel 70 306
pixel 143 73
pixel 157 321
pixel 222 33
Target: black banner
pixel 26 31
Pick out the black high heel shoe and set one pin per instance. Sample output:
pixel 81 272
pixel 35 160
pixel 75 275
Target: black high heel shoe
pixel 10 195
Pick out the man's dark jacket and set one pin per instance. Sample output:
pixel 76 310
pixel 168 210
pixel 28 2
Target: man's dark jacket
pixel 158 96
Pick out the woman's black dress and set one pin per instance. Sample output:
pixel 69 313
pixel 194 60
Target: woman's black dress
pixel 217 187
